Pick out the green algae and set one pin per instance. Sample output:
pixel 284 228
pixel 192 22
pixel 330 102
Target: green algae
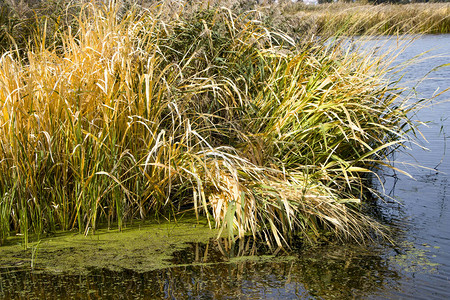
pixel 203 267
pixel 188 254
pixel 415 259
pixel 141 248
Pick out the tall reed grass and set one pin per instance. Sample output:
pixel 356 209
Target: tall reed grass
pixel 302 20
pixel 142 113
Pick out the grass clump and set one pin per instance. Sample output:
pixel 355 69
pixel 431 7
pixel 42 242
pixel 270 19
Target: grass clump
pixel 150 112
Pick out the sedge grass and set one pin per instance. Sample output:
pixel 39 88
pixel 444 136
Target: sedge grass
pixel 153 112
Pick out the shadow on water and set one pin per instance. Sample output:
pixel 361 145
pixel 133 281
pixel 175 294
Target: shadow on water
pixel 221 270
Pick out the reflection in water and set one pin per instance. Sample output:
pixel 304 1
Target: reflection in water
pixel 425 214
pixel 219 270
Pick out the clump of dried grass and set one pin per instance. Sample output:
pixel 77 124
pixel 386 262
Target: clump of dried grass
pixel 144 112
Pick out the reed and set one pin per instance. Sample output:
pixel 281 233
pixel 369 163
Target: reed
pixel 303 20
pixel 149 112
pixel 20 20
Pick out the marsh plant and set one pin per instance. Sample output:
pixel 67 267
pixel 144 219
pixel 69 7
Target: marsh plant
pixel 303 20
pixel 148 112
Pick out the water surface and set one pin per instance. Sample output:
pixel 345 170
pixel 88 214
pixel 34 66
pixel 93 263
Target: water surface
pixel 425 213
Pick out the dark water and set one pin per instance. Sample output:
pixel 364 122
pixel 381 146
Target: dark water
pixel 217 271
pixel 425 213
pixel 418 268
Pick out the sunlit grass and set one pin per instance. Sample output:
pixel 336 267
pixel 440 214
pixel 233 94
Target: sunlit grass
pixel 150 112
pixel 358 19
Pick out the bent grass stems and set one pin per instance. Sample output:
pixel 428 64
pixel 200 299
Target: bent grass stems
pixel 146 114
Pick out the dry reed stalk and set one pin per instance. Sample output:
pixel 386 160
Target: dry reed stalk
pixel 149 111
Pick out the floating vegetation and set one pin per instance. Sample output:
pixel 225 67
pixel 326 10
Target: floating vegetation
pixel 414 259
pixel 139 247
pixel 210 268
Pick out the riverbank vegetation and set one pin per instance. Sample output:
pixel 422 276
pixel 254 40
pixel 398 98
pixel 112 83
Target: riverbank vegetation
pixel 20 19
pixel 122 113
pixel 299 19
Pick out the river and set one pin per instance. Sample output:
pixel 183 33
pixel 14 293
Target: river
pixel 424 214
pixel 418 267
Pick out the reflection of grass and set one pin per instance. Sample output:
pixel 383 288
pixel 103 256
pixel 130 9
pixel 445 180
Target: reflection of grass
pixel 145 113
pixel 205 269
pixel 34 253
